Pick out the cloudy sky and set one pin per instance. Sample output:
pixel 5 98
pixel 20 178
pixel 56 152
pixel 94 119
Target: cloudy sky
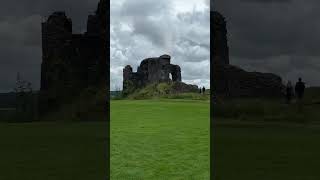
pixel 279 36
pixel 149 28
pixel 20 35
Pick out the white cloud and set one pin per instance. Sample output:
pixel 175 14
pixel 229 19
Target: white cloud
pixel 148 28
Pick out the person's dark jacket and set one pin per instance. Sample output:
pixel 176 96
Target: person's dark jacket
pixel 299 88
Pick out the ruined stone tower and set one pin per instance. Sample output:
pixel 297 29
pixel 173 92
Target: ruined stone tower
pixel 152 71
pixel 220 43
pixel 219 54
pixel 72 62
pixel 232 81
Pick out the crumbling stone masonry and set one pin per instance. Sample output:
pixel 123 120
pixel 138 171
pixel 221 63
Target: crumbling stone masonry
pixel 154 70
pixel 72 62
pixel 232 81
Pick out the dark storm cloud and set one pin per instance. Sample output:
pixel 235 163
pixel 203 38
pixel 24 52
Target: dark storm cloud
pixel 20 35
pixel 20 31
pixel 274 36
pixel 77 9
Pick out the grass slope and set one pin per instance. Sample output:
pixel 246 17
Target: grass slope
pixel 159 139
pixel 51 151
pixel 164 91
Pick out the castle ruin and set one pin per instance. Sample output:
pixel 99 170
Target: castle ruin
pixel 152 71
pixel 72 62
pixel 229 80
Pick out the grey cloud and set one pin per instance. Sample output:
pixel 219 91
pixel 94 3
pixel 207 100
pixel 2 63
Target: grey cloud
pixel 77 9
pixel 142 8
pixel 24 31
pixel 154 31
pixel 20 35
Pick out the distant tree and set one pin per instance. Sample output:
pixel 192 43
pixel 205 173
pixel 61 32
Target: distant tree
pixel 118 93
pixel 24 99
pixel 128 88
pixel 20 84
pixel 117 89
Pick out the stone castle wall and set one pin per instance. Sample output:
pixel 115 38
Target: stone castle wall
pixel 72 62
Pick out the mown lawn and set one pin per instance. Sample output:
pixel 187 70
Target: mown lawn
pixel 160 139
pixel 53 151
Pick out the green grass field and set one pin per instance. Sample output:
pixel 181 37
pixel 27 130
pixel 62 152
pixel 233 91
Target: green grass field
pixel 53 151
pixel 254 139
pixel 160 139
pixel 266 139
pixel 266 151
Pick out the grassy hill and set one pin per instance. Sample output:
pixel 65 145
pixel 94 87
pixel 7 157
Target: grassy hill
pixel 162 91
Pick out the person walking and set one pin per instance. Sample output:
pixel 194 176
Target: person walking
pixel 299 88
pixel 203 90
